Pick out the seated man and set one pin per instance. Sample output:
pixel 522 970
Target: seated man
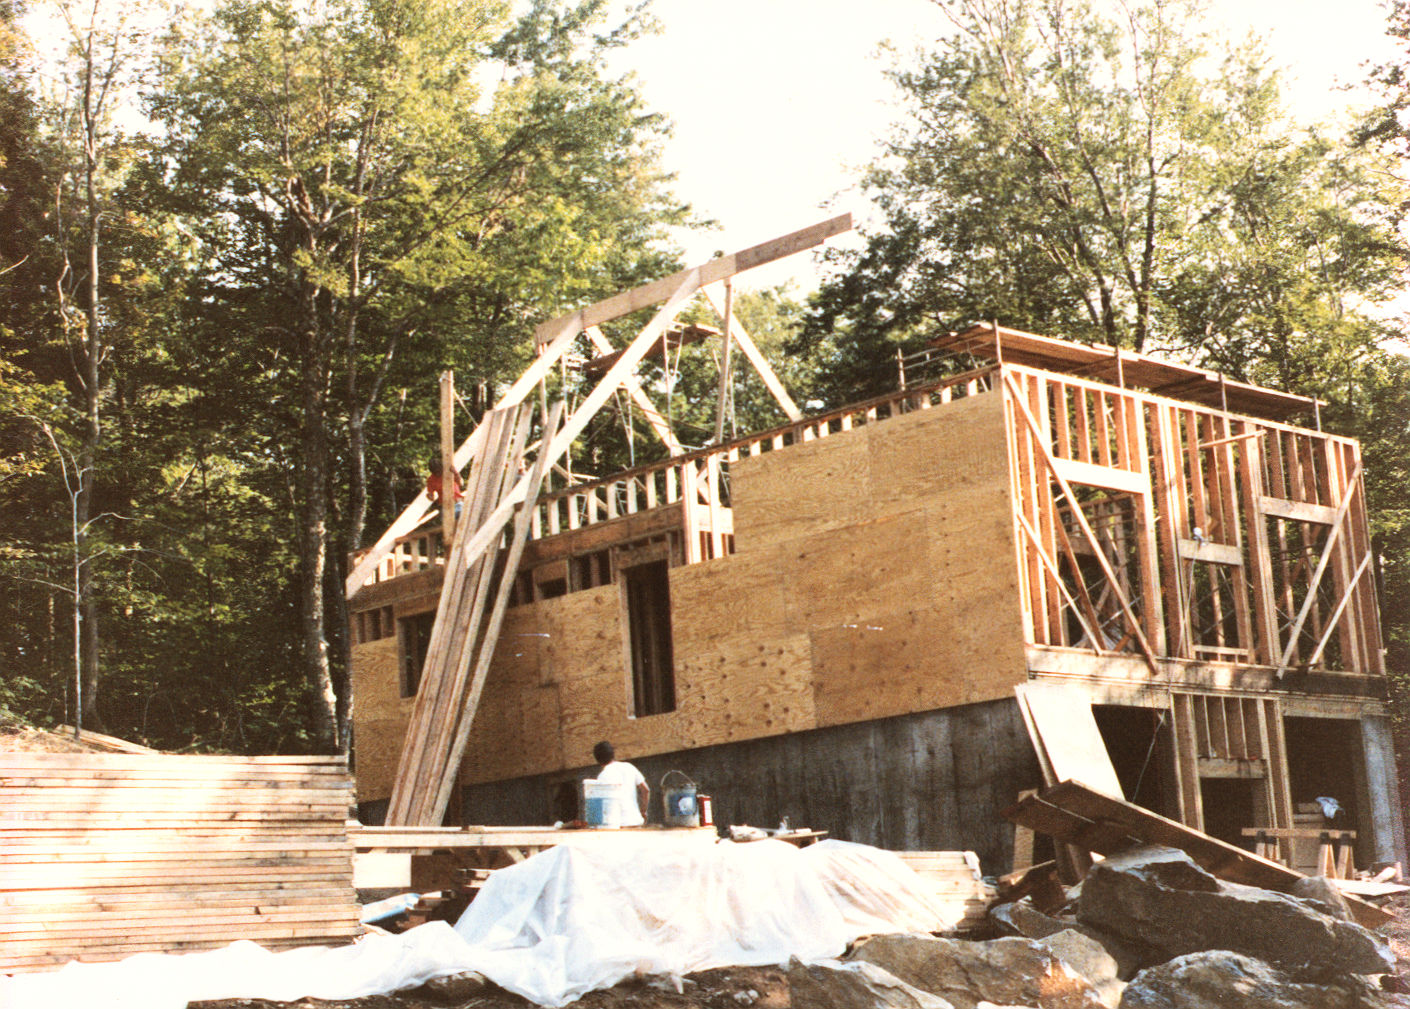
pixel 629 781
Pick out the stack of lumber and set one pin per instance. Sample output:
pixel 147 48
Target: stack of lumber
pixel 468 618
pixel 105 855
pixel 959 885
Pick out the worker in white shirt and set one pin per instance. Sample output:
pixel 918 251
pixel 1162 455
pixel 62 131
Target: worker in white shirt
pixel 629 781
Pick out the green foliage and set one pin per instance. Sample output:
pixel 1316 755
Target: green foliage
pixel 1114 182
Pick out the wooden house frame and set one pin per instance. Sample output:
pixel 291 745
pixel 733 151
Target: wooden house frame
pixel 828 620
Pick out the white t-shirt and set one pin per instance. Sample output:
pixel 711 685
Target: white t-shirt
pixel 626 777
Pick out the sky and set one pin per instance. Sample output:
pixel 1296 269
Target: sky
pixel 778 104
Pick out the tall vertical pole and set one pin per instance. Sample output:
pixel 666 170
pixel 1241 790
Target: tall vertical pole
pixel 723 399
pixel 448 471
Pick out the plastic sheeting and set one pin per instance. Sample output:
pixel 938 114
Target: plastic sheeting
pixel 560 924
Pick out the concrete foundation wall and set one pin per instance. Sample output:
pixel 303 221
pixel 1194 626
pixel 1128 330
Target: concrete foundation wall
pixel 934 780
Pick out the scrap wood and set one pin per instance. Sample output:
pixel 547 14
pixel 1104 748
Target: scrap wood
pixel 1070 811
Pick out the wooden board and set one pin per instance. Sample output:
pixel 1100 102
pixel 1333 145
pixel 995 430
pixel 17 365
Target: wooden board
pixel 105 855
pixel 1069 811
pixel 1065 735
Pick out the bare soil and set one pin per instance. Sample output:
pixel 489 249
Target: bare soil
pixel 724 988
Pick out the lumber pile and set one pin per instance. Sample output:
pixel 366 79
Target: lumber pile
pixel 106 855
pixel 959 885
pixel 471 609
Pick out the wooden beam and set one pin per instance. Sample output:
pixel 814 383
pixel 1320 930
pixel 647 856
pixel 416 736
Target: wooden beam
pixel 1210 553
pixel 1327 550
pixel 487 640
pixel 761 364
pixel 1107 477
pixel 449 472
pixel 707 273
pixel 1297 511
pixel 723 396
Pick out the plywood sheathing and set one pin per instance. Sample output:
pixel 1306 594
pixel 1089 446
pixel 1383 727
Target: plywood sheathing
pixel 883 599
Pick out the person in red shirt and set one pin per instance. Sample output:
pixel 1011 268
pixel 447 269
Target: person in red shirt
pixel 434 484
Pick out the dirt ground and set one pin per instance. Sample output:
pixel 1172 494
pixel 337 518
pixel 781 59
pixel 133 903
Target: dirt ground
pixel 725 988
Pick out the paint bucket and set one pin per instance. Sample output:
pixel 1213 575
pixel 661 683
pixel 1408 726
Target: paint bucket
pixel 679 800
pixel 602 806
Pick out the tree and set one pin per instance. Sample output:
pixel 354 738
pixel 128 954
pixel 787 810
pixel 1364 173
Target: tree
pixel 1103 179
pixel 362 198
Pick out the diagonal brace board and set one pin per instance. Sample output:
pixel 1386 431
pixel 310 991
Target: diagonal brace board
pixel 755 356
pixel 1327 550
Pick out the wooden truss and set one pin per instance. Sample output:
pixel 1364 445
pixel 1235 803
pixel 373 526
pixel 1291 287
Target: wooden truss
pixel 556 337
pixel 475 590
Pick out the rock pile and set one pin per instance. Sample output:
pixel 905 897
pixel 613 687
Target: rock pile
pixel 1146 929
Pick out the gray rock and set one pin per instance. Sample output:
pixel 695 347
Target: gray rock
pixel 1219 979
pixel 1022 918
pixel 1009 971
pixel 454 989
pixel 1088 958
pixel 857 985
pixel 1159 900
pixel 1322 895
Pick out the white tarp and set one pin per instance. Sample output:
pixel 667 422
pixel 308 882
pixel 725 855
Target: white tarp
pixel 565 922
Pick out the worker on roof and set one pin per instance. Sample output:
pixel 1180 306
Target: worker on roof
pixel 435 482
pixel 628 780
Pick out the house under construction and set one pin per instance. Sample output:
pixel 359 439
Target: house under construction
pixel 888 620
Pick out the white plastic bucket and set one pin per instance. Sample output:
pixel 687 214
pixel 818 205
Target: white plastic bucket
pixel 602 803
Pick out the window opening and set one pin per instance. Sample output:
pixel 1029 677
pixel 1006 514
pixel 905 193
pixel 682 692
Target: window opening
pixel 415 640
pixel 647 590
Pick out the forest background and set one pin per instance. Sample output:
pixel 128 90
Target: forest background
pixel 238 245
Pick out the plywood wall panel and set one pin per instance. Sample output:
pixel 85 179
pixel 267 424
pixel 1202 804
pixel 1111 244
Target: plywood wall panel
pixel 581 634
pixel 743 689
pixel 377 748
pixel 839 577
pixel 736 596
pixel 799 491
pixel 377 679
pixel 932 453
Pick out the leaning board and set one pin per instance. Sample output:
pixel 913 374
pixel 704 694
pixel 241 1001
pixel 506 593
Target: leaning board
pixel 106 855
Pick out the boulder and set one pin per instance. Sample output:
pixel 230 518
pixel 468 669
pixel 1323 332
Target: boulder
pixel 1088 958
pixel 1220 979
pixel 1008 971
pixel 455 989
pixel 1022 918
pixel 1159 900
pixel 857 985
pixel 1321 894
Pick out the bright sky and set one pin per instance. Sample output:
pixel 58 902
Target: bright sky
pixel 778 103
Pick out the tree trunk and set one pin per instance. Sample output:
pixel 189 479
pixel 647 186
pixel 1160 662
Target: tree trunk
pixel 93 427
pixel 313 548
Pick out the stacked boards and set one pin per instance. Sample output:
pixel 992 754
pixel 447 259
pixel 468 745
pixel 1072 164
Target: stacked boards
pixel 959 885
pixel 106 855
